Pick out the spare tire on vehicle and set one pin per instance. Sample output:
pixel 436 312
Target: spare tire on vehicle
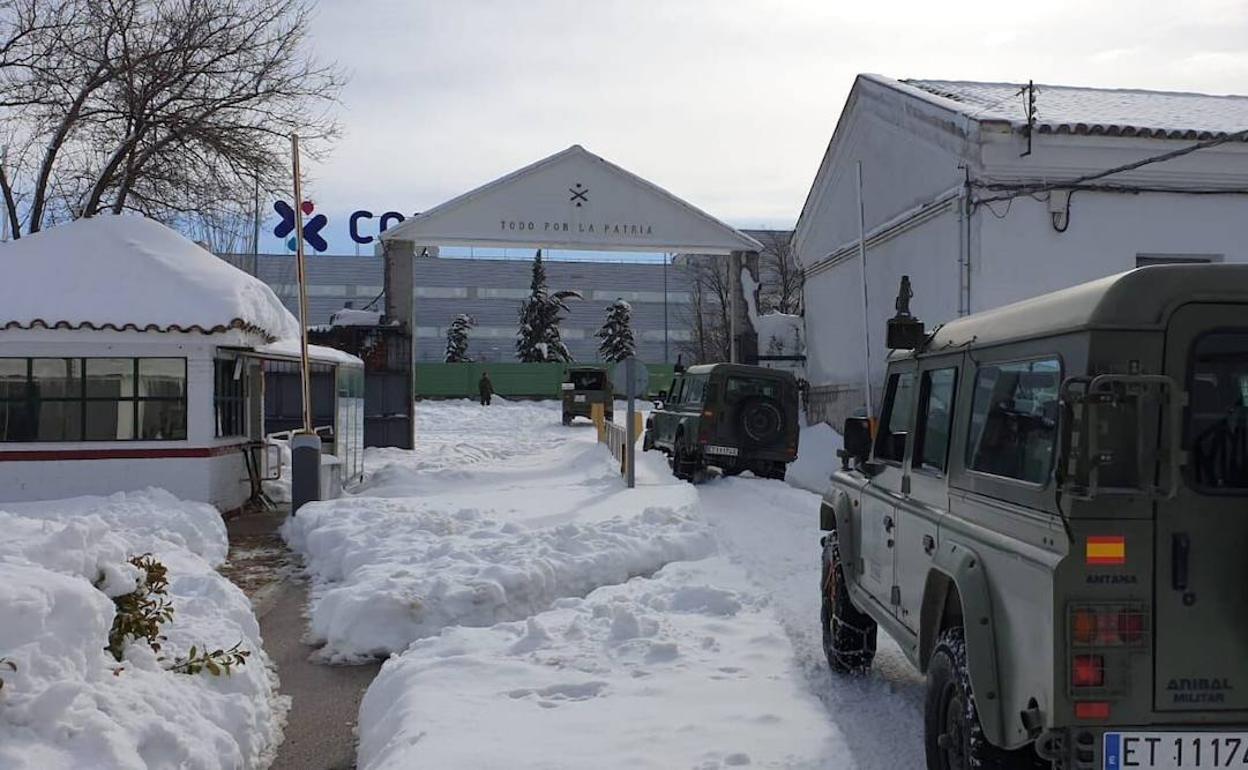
pixel 761 420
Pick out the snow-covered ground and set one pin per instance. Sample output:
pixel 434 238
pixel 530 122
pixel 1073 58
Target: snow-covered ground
pixel 69 703
pixel 539 614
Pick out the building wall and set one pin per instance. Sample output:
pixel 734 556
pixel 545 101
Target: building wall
pixel 219 479
pixel 491 291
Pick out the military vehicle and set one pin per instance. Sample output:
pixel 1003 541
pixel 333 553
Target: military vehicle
pixel 1050 517
pixel 584 387
pixel 731 416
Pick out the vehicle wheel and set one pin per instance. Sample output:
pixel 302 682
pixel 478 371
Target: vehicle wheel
pixel 567 419
pixel 848 634
pixel 953 737
pixel 684 465
pixel 760 421
pixel 735 471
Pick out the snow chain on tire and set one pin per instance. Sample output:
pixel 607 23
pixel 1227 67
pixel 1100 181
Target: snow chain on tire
pixel 848 634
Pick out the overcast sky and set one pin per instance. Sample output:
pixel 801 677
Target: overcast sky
pixel 726 103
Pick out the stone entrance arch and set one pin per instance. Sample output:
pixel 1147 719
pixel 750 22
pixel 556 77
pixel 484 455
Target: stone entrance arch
pixel 574 200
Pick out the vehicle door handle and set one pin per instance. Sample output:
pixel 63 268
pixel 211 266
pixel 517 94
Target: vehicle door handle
pixel 1180 550
pixel 929 544
pixel 888 523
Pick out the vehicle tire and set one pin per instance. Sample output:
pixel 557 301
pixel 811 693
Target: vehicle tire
pixel 734 471
pixel 567 419
pixel 777 471
pixel 685 465
pixel 848 633
pixel 760 421
pixel 953 737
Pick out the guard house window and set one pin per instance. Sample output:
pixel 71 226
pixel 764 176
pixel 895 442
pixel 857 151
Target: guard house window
pixel 1217 420
pixel 229 398
pixel 92 399
pixel 890 442
pixel 1014 419
pixel 936 390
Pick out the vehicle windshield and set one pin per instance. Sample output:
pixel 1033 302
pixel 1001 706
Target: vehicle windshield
pixel 739 387
pixel 589 380
pixel 1217 426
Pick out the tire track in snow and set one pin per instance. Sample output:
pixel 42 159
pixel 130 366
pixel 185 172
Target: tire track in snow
pixel 771 530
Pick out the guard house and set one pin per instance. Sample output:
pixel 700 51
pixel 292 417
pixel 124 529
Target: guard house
pixel 130 357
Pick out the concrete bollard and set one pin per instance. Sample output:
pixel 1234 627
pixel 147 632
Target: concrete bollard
pixel 305 470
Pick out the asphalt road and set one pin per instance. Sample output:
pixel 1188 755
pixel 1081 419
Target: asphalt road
pixel 325 700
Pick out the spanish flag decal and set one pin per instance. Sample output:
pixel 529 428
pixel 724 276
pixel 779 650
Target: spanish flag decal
pixel 1107 549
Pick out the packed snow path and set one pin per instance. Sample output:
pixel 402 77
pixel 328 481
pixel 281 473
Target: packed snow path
pixel 539 614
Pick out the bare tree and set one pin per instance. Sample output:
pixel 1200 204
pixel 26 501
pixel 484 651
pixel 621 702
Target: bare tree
pixel 706 315
pixel 166 107
pixel 780 276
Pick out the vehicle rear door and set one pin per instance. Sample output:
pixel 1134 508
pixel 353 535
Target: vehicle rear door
pixel 883 495
pixel 1201 547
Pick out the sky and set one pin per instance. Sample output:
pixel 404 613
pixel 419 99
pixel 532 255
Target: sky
pixel 728 104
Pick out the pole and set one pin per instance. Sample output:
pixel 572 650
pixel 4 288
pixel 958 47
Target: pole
pixel 734 288
pixel 665 358
pixel 630 432
pixel 301 269
pixel 866 319
pixel 305 446
pixel 255 228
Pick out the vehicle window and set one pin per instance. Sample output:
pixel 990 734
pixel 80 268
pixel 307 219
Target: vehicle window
pixel 738 388
pixel 890 441
pixel 693 389
pixel 931 449
pixel 1217 419
pixel 1014 419
pixel 589 380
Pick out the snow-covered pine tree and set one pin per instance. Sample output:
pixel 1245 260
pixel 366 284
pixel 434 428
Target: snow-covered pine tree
pixel 617 333
pixel 457 339
pixel 537 339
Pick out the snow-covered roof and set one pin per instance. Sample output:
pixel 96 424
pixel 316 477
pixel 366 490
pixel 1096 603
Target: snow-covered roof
pixel 289 348
pixel 1079 110
pixel 131 273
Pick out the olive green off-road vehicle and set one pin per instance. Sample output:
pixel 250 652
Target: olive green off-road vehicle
pixel 584 387
pixel 732 416
pixel 1050 517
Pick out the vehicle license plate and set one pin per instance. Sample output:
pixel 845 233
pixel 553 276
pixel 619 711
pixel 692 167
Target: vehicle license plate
pixel 579 399
pixel 729 451
pixel 1175 751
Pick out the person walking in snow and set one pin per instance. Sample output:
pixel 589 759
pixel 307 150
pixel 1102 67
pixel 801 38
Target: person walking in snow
pixel 486 387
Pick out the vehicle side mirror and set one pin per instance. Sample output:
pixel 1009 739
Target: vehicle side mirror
pixel 857 435
pixel 662 395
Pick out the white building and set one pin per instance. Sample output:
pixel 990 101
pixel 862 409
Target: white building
pixel 981 206
pixel 130 357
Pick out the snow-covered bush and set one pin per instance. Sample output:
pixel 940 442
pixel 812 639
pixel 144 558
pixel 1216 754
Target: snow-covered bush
pixel 616 334
pixel 457 339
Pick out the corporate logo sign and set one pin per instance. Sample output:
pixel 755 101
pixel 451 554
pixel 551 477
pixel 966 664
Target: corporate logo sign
pixel 313 225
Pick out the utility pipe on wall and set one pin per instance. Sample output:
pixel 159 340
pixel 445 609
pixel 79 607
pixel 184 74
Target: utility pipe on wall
pixel 866 319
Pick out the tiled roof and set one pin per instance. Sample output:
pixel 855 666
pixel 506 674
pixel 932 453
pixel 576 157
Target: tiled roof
pixel 1095 111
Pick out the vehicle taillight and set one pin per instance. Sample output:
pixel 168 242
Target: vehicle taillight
pixel 1092 710
pixel 1088 671
pixel 1108 625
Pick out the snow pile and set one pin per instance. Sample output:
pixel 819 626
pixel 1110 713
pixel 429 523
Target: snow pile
pixel 70 704
pixel 131 272
pixel 816 458
pixel 684 669
pixel 349 316
pixel 393 570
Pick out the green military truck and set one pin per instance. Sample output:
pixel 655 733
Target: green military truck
pixel 584 387
pixel 1050 517
pixel 731 416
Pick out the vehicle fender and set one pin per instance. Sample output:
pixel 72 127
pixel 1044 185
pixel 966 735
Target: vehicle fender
pixel 957 567
pixel 836 514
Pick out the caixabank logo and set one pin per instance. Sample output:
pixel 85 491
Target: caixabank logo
pixel 311 227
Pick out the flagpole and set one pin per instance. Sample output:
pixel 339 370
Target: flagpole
pixel 304 374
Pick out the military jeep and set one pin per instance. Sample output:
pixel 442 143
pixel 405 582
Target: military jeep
pixel 731 416
pixel 1050 517
pixel 583 387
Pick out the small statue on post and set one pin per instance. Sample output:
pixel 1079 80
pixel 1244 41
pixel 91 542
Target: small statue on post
pixel 905 332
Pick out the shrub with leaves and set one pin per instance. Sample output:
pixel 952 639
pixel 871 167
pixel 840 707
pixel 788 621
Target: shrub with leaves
pixel 140 613
pixel 217 662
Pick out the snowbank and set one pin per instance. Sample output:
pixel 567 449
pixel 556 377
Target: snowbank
pixel 131 272
pixel 685 669
pixel 816 458
pixel 70 704
pixel 393 570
